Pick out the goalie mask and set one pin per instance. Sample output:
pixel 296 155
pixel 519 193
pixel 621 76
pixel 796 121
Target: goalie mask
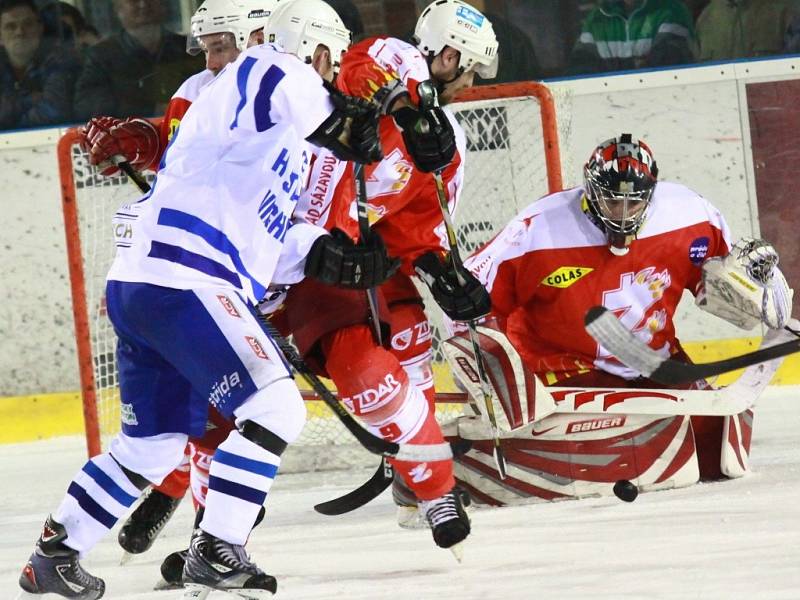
pixel 240 18
pixel 299 26
pixel 458 25
pixel 619 180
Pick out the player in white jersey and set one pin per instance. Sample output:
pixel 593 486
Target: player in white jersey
pixel 204 246
pixel 221 29
pixel 633 244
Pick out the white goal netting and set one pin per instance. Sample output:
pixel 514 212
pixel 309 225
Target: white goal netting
pixel 506 169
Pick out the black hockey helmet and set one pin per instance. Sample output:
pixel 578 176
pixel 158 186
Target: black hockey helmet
pixel 619 180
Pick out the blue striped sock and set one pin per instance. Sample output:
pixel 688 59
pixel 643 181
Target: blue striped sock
pixel 97 497
pixel 241 475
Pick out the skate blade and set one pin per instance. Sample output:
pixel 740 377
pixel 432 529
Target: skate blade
pixel 23 595
pixel 458 551
pixel 125 558
pixel 196 591
pixel 163 584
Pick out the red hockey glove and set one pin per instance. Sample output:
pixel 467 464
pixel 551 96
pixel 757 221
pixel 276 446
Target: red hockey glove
pixel 135 140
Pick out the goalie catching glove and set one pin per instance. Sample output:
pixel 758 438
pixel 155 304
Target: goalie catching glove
pixel 746 287
pixel 351 130
pixel 133 140
pixel 460 301
pixel 336 260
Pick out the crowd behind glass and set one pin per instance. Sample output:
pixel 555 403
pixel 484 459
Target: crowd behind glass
pixel 64 62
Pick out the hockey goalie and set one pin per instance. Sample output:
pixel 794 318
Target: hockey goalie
pixel 632 244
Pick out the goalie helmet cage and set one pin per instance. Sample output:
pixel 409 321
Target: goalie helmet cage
pixel 513 157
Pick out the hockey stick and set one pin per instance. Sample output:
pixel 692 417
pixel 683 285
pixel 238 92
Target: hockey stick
pixel 429 99
pixel 376 445
pixel 366 492
pixel 134 175
pixel 374 486
pixel 607 330
pixel 363 230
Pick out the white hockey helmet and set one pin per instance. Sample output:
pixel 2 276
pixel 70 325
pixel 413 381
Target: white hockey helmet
pixel 457 24
pixel 298 26
pixel 237 17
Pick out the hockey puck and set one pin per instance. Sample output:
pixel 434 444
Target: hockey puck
pixel 625 490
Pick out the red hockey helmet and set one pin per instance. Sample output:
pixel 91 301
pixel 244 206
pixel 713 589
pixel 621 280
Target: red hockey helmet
pixel 619 180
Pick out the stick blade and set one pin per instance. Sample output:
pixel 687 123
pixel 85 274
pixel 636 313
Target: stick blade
pixel 368 491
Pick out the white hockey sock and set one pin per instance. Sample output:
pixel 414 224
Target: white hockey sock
pixel 97 497
pixel 241 475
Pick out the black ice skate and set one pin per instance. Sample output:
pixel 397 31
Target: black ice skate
pixel 172 566
pixel 448 520
pixel 53 568
pixel 146 522
pixel 213 564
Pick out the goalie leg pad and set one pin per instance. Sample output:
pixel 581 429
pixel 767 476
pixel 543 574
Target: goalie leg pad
pixel 573 456
pixel 737 432
pixel 308 320
pixel 375 387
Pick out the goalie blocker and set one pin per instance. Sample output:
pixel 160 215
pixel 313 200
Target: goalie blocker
pixel 595 429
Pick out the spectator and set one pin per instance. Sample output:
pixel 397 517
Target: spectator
pixel 66 23
pixel 36 77
pixel 729 29
pixel 348 13
pixel 136 71
pixel 631 34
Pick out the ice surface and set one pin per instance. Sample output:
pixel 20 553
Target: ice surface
pixel 729 540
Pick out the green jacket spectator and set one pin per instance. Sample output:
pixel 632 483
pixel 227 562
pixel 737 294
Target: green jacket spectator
pixel 36 76
pixel 631 34
pixel 135 72
pixel 730 29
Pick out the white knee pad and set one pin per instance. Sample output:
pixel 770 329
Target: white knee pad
pixel 279 407
pixel 152 457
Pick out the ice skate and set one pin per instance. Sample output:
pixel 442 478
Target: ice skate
pixel 53 568
pixel 448 520
pixel 214 564
pixel 146 522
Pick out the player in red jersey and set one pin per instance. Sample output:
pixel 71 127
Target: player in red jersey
pixel 388 383
pixel 633 244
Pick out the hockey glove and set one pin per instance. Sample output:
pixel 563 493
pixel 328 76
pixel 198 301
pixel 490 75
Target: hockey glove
pixel 460 302
pixel 351 130
pixel 336 260
pixel 134 140
pixel 428 136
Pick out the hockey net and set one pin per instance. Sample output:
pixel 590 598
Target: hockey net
pixel 512 159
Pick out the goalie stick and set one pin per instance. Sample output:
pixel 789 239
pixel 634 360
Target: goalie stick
pixel 428 99
pixel 610 333
pixel 376 445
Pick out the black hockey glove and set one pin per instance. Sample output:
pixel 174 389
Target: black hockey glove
pixel 428 136
pixel 336 260
pixel 351 130
pixel 459 302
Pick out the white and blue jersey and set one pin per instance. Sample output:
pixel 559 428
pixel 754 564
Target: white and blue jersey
pixel 220 212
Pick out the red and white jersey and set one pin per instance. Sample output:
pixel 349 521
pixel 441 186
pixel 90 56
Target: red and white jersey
pixel 178 105
pixel 551 264
pixel 371 64
pixel 403 205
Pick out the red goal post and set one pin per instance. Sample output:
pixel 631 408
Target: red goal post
pixel 513 157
